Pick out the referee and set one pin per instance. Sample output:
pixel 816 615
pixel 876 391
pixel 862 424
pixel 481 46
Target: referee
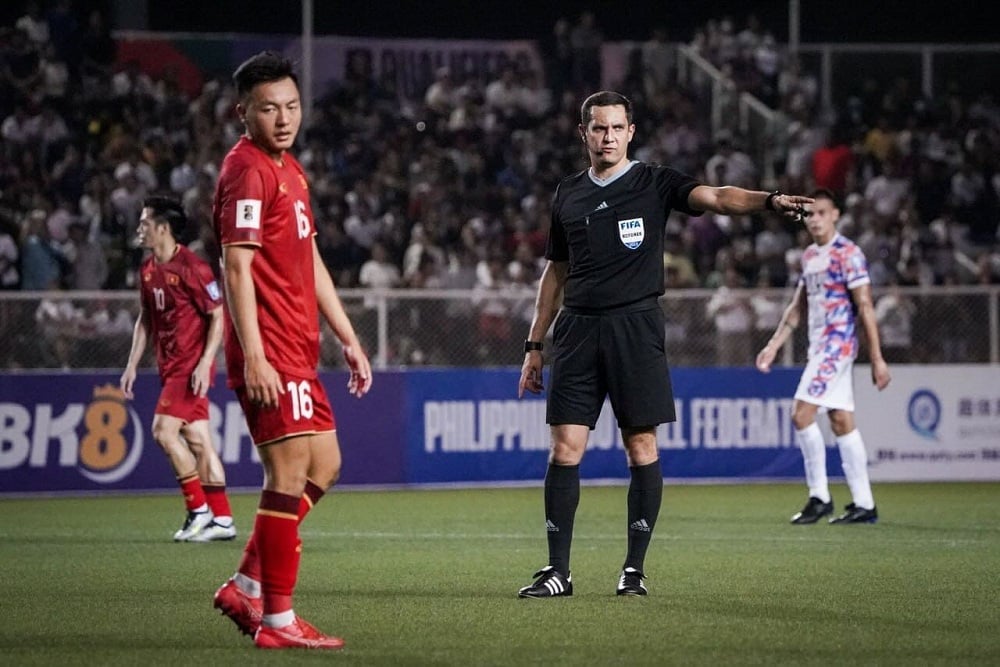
pixel 605 266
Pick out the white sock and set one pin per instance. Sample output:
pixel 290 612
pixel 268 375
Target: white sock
pixel 279 620
pixel 224 521
pixel 855 461
pixel 249 586
pixel 201 508
pixel 813 448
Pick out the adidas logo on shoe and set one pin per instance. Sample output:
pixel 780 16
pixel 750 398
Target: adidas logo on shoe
pixel 549 583
pixel 630 582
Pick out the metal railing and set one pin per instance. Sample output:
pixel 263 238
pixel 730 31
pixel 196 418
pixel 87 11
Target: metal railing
pixel 731 109
pixel 92 330
pixel 842 70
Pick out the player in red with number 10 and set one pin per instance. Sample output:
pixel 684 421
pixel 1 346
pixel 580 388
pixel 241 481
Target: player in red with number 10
pixel 276 286
pixel 180 309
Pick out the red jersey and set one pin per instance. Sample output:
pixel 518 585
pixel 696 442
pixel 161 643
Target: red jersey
pixel 261 203
pixel 177 296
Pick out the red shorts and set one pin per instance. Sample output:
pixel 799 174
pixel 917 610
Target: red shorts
pixel 302 410
pixel 177 399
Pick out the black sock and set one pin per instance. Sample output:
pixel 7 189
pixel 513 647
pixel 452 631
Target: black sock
pixel 562 495
pixel 645 493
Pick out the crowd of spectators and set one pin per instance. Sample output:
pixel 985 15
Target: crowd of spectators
pixel 918 178
pixel 452 190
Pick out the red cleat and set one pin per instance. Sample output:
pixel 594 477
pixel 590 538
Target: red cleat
pixel 246 612
pixel 297 634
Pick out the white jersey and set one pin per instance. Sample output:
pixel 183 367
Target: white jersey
pixel 829 273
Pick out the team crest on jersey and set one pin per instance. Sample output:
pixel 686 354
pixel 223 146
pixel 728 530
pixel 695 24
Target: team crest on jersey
pixel 213 291
pixel 147 276
pixel 248 214
pixel 173 279
pixel 631 232
pixel 283 188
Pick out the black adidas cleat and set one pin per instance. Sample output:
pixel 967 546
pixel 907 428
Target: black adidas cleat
pixel 630 583
pixel 814 510
pixel 548 584
pixel 854 514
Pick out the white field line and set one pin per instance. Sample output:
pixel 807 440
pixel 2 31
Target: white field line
pixel 540 535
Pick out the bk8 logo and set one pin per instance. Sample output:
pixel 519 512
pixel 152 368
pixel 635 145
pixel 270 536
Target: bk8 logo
pixel 102 439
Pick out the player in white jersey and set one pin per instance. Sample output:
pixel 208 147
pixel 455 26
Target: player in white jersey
pixel 837 291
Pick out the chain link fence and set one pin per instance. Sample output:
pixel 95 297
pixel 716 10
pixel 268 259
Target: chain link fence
pixel 93 330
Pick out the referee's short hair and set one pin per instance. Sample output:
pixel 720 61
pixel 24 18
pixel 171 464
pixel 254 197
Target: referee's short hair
pixel 604 98
pixel 169 210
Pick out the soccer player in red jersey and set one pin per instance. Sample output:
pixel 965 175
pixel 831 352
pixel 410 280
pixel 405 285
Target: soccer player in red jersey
pixel 276 286
pixel 180 308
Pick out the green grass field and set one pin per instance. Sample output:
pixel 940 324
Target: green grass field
pixel 430 578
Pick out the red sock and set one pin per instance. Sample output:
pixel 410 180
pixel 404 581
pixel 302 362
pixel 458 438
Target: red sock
pixel 250 563
pixel 218 502
pixel 194 494
pixel 276 536
pixel 310 497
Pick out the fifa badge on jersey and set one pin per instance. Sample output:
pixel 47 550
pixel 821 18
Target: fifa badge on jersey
pixel 248 214
pixel 213 291
pixel 631 232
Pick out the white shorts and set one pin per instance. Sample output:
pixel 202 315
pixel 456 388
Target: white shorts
pixel 828 382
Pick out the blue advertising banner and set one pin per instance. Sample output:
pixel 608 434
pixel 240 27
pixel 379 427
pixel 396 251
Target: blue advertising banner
pixel 65 432
pixel 468 425
pixel 75 432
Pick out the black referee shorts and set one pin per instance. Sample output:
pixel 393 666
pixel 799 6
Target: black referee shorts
pixel 620 355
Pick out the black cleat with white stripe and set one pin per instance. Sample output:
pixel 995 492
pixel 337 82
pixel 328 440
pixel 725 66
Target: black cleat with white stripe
pixel 549 583
pixel 630 582
pixel 814 510
pixel 854 514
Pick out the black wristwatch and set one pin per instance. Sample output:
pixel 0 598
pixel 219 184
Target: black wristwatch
pixel 531 346
pixel 769 202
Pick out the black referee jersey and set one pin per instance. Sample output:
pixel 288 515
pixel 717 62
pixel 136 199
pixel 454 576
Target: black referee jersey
pixel 612 234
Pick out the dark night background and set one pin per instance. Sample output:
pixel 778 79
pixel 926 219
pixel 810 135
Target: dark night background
pixel 821 20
